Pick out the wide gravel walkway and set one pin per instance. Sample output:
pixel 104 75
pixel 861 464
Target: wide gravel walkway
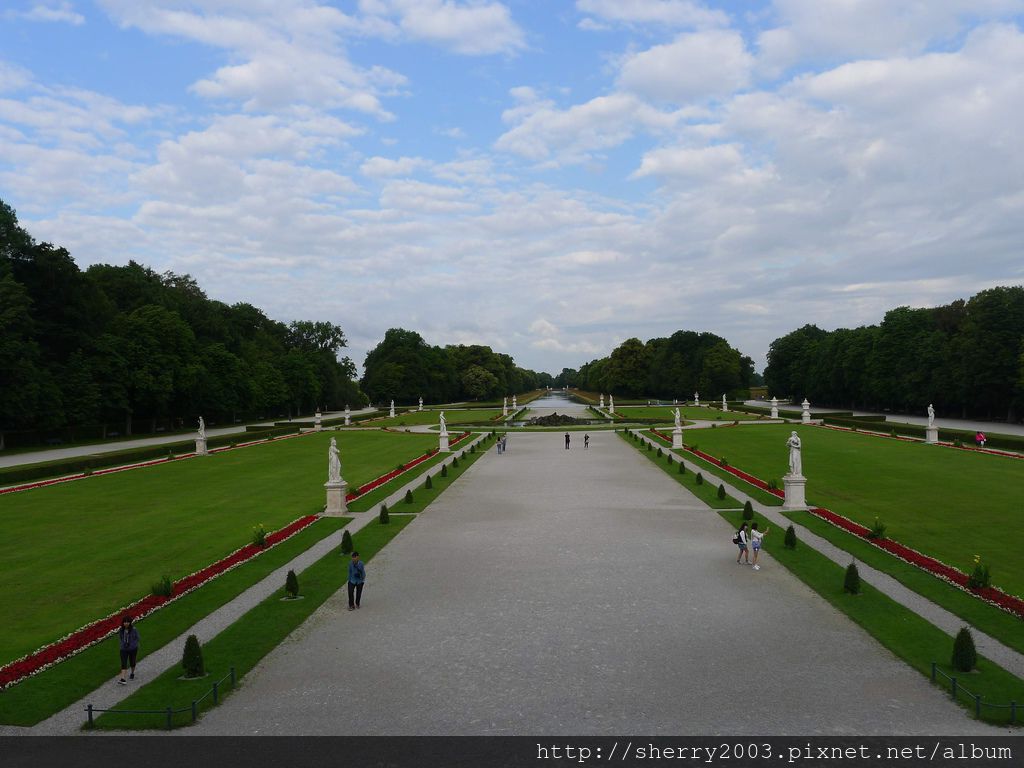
pixel 579 592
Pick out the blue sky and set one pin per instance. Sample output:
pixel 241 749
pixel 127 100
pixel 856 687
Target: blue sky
pixel 545 176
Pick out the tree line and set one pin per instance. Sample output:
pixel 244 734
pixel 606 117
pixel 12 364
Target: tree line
pixel 668 368
pixel 125 346
pixel 403 368
pixel 967 358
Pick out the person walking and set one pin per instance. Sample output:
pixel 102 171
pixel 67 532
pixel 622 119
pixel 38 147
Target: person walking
pixel 567 441
pixel 741 542
pixel 586 442
pixel 755 542
pixel 128 644
pixel 356 579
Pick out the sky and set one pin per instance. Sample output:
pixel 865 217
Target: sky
pixel 548 177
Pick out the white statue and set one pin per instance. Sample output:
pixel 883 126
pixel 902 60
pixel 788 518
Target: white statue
pixel 421 403
pixel 515 405
pixel 202 429
pixel 931 415
pixel 679 419
pixel 333 463
pixel 611 403
pixel 444 424
pixel 795 462
pixel 696 398
pixel 391 412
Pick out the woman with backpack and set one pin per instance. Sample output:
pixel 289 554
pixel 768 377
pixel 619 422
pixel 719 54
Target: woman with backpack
pixel 741 542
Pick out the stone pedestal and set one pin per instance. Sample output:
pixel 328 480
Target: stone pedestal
pixel 515 404
pixel 775 408
pixel 795 487
pixel 931 435
pixel 805 415
pixel 677 438
pixel 348 419
pixel 336 504
pixel 201 447
pixel 442 445
pixel 391 411
pixel 318 423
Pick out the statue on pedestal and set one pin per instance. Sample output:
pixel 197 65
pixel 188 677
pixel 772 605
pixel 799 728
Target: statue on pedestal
pixel 333 463
pixel 678 418
pixel 202 429
pixel 931 415
pixel 795 462
pixel 444 424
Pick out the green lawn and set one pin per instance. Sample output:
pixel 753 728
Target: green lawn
pixel 947 503
pixel 75 552
pixel 691 412
pixel 461 416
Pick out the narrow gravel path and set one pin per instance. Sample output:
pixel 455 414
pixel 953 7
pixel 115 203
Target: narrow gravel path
pixel 583 592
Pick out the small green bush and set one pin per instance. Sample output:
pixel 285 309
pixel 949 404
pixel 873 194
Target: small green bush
pixel 773 484
pixel 384 517
pixel 659 453
pixel 851 582
pixel 651 447
pixel 444 470
pixel 429 483
pixel 700 479
pixel 789 541
pixel 965 656
pixel 748 511
pixel 682 468
pixel 877 530
pixel 164 587
pixel 721 491
pixel 725 461
pixel 291 584
pixel 408 496
pixel 192 658
pixel 259 535
pixel 980 577
pixel 669 458
pixel 472 448
pixel 346 543
pixel 455 462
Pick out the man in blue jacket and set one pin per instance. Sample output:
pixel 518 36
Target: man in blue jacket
pixel 356 579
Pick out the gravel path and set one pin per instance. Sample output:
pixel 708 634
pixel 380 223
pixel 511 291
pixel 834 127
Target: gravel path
pixel 584 592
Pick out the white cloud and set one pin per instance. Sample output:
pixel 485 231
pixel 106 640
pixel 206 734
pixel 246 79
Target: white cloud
pixel 62 12
pixel 672 13
pixel 13 77
pixel 542 130
pixel 698 164
pixel 695 66
pixel 385 166
pixel 473 29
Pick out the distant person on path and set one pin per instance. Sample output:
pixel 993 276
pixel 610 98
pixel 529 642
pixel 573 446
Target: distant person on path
pixel 755 542
pixel 586 442
pixel 567 441
pixel 128 643
pixel 504 443
pixel 356 579
pixel 741 542
pixel 980 439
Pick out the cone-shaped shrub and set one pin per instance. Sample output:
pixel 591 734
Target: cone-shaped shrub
pixel 790 540
pixel 429 483
pixel 682 468
pixel 455 462
pixel 965 657
pixel 669 458
pixel 444 470
pixel 408 496
pixel 721 491
pixel 384 517
pixel 748 511
pixel 851 582
pixel 192 658
pixel 346 543
pixel 700 479
pixel 659 453
pixel 291 584
pixel 651 447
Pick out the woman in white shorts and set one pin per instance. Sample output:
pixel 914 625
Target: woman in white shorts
pixel 755 543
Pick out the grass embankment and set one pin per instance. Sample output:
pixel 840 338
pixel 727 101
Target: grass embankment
pixel 248 640
pixel 453 417
pixel 75 552
pixel 947 503
pixel 896 627
pixel 706 491
pixel 691 412
pixel 37 697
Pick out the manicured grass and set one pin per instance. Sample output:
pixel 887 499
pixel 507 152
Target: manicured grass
pixel 706 491
pixel 481 416
pixel 37 697
pixel 946 503
pixel 693 413
pixel 899 629
pixel 1001 625
pixel 252 637
pixel 249 639
pixel 691 438
pixel 75 552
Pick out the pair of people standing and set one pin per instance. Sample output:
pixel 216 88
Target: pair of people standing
pixel 747 540
pixel 586 441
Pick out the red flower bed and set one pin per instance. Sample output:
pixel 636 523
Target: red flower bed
pixel 90 634
pixel 754 481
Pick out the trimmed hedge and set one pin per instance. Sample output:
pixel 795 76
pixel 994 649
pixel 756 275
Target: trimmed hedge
pixel 28 472
pixel 966 436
